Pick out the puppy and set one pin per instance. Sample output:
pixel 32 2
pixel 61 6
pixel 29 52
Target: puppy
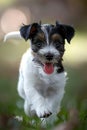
pixel 42 77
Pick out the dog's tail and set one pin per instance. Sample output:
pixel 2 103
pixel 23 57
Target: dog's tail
pixel 15 35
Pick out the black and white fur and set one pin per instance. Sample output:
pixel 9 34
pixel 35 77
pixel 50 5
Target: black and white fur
pixel 42 92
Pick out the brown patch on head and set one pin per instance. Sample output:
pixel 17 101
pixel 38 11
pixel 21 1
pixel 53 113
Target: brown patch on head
pixel 41 36
pixel 56 37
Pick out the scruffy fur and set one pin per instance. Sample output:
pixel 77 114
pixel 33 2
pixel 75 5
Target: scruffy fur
pixel 43 92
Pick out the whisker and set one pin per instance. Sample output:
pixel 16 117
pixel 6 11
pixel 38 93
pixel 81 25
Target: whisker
pixel 37 65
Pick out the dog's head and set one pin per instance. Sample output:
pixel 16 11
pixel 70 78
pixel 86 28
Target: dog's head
pixel 47 41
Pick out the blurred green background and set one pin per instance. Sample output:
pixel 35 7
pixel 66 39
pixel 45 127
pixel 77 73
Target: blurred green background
pixel 13 13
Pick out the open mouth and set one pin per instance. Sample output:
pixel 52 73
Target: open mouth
pixel 48 68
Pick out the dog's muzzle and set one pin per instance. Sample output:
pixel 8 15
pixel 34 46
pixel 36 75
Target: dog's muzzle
pixel 49 56
pixel 48 61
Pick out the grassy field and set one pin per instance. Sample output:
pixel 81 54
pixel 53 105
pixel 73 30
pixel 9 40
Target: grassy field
pixel 75 98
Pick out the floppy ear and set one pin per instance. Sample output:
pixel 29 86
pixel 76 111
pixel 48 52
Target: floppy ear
pixel 27 31
pixel 66 31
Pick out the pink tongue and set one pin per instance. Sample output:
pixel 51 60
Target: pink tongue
pixel 48 68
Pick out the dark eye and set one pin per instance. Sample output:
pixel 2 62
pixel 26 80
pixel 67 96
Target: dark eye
pixel 39 44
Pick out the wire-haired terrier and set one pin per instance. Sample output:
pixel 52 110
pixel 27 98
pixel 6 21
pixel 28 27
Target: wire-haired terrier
pixel 42 77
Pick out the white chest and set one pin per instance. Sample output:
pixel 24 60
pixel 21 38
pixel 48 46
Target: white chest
pixel 49 85
pixel 35 77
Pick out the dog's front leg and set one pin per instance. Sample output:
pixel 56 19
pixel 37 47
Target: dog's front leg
pixel 39 103
pixel 42 109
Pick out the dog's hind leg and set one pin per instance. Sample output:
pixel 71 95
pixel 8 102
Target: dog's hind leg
pixel 20 86
pixel 27 109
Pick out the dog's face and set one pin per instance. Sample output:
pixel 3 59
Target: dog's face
pixel 47 41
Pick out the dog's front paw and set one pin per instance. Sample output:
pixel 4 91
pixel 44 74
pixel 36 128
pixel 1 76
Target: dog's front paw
pixel 43 113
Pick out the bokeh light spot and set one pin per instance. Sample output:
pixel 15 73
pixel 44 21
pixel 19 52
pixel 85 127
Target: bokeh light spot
pixel 12 19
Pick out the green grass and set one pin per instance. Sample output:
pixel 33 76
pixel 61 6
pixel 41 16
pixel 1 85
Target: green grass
pixel 11 105
pixel 75 97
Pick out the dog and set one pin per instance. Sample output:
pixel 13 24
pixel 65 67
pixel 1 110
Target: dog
pixel 42 77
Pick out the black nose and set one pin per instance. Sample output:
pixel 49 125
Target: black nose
pixel 49 56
